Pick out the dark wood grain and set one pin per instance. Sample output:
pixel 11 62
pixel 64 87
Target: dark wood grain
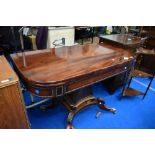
pixel 70 68
pixel 123 40
pixel 132 92
pixel 150 43
pixel 146 59
pixel 139 73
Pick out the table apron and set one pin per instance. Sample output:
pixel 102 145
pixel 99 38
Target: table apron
pixel 70 86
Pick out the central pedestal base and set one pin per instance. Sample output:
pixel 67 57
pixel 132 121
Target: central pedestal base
pixel 79 100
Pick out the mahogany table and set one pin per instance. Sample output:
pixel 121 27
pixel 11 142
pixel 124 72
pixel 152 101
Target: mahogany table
pixel 124 40
pixel 67 73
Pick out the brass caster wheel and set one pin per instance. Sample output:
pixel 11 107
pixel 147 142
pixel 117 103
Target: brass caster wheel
pixel 113 110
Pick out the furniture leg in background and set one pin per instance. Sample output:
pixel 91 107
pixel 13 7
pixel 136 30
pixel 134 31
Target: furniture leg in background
pixel 134 92
pixel 140 72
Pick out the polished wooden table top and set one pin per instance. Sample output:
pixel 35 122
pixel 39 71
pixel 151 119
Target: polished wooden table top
pixel 70 68
pixel 123 39
pixel 60 64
